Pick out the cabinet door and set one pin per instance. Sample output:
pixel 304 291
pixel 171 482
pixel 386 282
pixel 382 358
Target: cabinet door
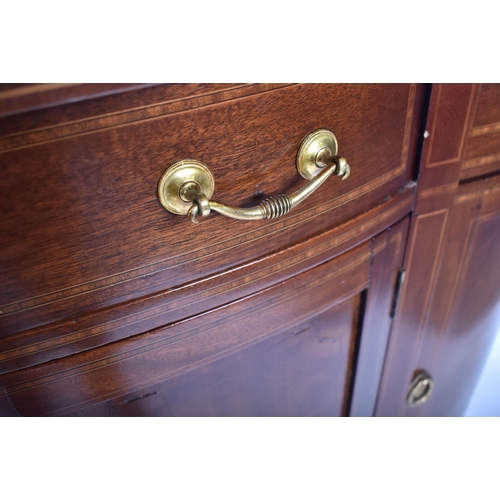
pixel 289 350
pixel 455 278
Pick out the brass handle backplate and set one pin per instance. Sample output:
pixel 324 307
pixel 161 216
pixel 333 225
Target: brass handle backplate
pixel 187 186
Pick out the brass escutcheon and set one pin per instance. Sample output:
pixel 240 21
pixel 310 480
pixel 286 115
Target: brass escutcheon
pixel 420 390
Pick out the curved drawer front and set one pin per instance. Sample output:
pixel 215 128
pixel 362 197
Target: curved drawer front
pixel 82 227
pixel 481 141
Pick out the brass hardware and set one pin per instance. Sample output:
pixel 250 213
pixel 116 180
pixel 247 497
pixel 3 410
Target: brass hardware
pixel 314 152
pixel 187 186
pixel 397 292
pixel 421 389
pixel 181 182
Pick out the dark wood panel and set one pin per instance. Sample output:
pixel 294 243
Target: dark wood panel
pixel 290 349
pixel 100 105
pixel 301 306
pixel 377 319
pixel 482 156
pixel 28 97
pixel 452 111
pixel 471 318
pixel 442 236
pixel 488 109
pixel 301 372
pixel 117 109
pixel 462 316
pixel 482 145
pixel 6 408
pixel 98 237
pixel 106 325
pixel 111 306
pixel 481 167
pixel 422 263
pixel 445 139
pixel 298 372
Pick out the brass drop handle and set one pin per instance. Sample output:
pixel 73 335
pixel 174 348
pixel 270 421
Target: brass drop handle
pixel 187 186
pixel 421 388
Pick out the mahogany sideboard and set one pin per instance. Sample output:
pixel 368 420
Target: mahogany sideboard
pixel 377 295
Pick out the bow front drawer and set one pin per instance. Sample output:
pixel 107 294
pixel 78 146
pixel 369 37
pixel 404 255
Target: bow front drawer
pixel 83 230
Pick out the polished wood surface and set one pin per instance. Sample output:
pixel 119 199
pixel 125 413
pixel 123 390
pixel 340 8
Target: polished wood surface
pixel 118 108
pixel 290 349
pixel 482 150
pixel 449 308
pixel 113 307
pixel 102 326
pixel 462 319
pixel 377 320
pixel 20 98
pixel 89 233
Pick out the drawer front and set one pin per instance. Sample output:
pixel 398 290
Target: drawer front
pixel 82 227
pixel 482 148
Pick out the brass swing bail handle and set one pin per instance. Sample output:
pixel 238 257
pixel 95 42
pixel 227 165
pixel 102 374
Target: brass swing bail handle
pixel 187 186
pixel 272 207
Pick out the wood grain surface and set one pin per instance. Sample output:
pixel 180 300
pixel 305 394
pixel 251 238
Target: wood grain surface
pixel 105 325
pixel 290 349
pixel 482 155
pixel 21 98
pixel 449 312
pixel 82 228
pixel 377 320
pixel 110 306
pixel 120 107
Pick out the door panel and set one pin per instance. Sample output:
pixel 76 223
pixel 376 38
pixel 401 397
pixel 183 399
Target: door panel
pixel 462 318
pixel 289 350
pixel 298 371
